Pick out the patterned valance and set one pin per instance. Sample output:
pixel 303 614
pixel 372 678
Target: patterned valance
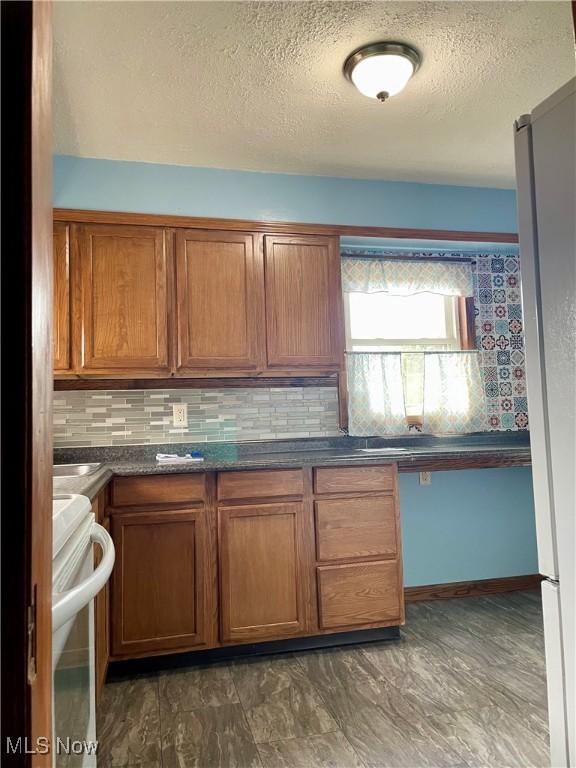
pixel 403 277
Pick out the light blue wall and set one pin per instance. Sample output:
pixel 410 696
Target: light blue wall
pixel 467 525
pixel 172 189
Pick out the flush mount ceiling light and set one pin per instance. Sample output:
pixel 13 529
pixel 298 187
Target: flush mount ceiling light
pixel 381 70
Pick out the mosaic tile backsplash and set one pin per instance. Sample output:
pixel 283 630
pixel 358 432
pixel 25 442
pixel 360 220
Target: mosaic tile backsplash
pixel 99 418
pixel 500 339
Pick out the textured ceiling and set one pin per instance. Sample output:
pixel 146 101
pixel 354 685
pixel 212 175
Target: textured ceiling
pixel 259 85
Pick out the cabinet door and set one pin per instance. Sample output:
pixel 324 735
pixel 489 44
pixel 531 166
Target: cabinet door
pixel 263 571
pixel 161 584
pixel 121 304
pixel 61 310
pixel 220 311
pixel 303 302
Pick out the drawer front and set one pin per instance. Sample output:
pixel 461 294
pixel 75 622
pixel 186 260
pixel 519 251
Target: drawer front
pixel 158 489
pixel 356 528
pixel 359 594
pixel 260 484
pixel 352 479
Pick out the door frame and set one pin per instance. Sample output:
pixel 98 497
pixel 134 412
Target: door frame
pixel 27 390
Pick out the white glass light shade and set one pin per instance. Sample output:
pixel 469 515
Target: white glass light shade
pixel 381 70
pixel 386 73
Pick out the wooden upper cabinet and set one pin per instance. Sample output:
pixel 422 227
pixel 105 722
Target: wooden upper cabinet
pixel 139 301
pixel 61 308
pixel 303 302
pixel 120 301
pixel 220 308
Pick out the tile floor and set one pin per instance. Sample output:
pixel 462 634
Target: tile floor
pixel 464 687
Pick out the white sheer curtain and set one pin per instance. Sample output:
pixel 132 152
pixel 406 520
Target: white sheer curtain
pixel 453 393
pixel 375 394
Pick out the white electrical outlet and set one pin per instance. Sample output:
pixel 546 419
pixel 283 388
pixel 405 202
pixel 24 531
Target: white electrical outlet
pixel 180 414
pixel 425 478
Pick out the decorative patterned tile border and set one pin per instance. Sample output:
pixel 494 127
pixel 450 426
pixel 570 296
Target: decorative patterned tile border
pixel 103 418
pixel 500 339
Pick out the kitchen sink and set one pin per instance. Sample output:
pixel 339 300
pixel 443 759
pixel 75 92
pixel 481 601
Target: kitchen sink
pixel 74 470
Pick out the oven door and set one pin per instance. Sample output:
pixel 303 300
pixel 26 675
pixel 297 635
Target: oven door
pixel 74 685
pixel 73 652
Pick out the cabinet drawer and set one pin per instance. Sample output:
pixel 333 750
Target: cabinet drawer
pixel 358 594
pixel 157 489
pixel 351 479
pixel 260 484
pixel 354 528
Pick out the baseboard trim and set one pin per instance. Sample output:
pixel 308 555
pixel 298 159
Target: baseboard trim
pixel 471 588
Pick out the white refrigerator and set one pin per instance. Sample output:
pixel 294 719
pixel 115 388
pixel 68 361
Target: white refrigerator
pixel 546 182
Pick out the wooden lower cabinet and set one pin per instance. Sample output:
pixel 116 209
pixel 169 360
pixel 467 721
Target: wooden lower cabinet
pixel 161 584
pixel 263 572
pixel 204 560
pixel 358 547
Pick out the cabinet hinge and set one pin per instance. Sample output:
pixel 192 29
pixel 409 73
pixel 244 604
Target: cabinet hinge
pixel 32 637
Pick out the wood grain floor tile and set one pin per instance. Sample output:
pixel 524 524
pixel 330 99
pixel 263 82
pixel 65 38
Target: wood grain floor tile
pixel 209 737
pixel 155 764
pixel 526 648
pixel 431 685
pixel 279 700
pixel 464 688
pixel 460 650
pixel 519 691
pixel 518 607
pixel 349 682
pixel 128 726
pixel 492 737
pixel 329 750
pixel 528 603
pixel 466 650
pixel 528 683
pixel 482 617
pixel 382 741
pixel 183 690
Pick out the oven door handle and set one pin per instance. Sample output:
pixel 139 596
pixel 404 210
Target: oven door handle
pixel 67 604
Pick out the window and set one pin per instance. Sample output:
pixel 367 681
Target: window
pixel 381 322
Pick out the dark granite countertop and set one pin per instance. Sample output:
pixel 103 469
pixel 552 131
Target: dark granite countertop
pixel 409 452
